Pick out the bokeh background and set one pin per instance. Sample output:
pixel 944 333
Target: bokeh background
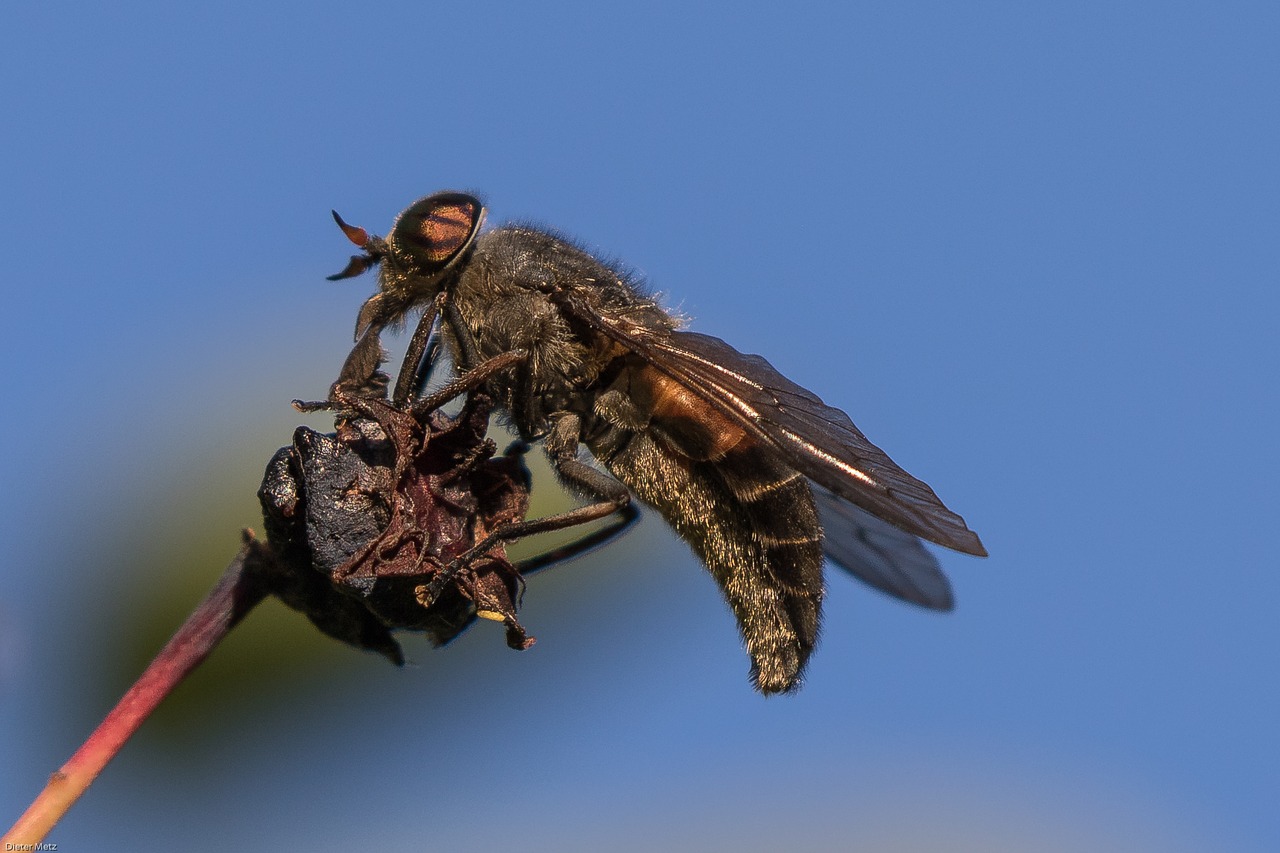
pixel 1032 249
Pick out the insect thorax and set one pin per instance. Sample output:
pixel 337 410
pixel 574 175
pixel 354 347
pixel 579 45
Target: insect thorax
pixel 504 296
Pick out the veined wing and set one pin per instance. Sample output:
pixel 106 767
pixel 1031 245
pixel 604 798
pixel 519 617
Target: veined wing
pixel 880 554
pixel 821 442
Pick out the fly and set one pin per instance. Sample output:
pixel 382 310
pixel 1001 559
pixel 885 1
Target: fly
pixel 748 467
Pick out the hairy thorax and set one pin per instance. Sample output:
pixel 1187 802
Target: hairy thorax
pixel 507 298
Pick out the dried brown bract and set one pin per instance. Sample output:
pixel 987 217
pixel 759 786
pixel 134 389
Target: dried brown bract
pixel 383 524
pixel 450 493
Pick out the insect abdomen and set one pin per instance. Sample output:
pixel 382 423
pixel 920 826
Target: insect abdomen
pixel 752 521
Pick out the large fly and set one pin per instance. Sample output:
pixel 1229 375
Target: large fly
pixel 748 467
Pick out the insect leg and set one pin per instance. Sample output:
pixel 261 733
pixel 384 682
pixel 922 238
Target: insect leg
pixel 627 516
pixel 562 448
pixel 360 375
pixel 428 366
pixel 407 381
pixel 469 381
pixel 468 353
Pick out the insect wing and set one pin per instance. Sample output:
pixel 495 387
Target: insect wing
pixel 819 441
pixel 880 554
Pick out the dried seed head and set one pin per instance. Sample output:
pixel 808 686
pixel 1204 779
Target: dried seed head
pixel 366 518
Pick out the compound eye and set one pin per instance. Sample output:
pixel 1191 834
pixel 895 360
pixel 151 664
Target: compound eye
pixel 436 229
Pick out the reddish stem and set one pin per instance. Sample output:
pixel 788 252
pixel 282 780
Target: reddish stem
pixel 237 592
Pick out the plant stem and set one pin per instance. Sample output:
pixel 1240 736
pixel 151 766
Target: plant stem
pixel 239 590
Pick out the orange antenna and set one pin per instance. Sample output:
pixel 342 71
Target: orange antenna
pixel 356 235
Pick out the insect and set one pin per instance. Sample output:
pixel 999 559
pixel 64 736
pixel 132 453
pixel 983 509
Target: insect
pixel 738 459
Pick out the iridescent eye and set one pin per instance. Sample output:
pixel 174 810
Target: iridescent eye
pixel 435 230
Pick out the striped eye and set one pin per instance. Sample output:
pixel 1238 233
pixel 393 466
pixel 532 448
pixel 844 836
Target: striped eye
pixel 435 230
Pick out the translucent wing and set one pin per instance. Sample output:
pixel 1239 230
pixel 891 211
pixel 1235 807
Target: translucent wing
pixel 880 554
pixel 819 441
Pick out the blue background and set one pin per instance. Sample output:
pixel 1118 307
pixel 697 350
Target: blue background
pixel 1031 249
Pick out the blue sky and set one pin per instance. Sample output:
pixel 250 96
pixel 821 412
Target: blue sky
pixel 1031 250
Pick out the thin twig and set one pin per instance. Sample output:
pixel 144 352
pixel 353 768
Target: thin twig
pixel 239 590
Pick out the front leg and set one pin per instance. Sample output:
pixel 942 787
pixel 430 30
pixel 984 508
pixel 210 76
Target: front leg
pixel 467 348
pixel 414 372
